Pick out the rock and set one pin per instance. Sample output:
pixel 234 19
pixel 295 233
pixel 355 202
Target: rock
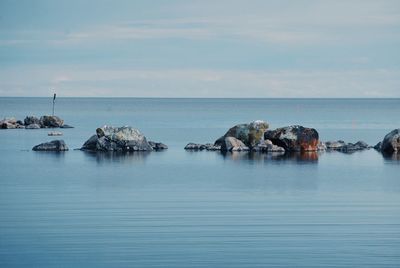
pixel 378 146
pixel 294 138
pixel 56 146
pixel 250 134
pixel 29 120
pixel 51 121
pixel 267 147
pixel 334 145
pixel 232 144
pixel 19 122
pixel 54 133
pixel 66 126
pixel 121 139
pixel 158 145
pixel 212 147
pixel 391 142
pixel 8 123
pixel 322 146
pixel 194 146
pixel 32 126
pixel 20 126
pixel 90 144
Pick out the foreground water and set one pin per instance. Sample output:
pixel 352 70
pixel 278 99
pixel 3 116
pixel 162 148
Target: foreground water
pixel 199 209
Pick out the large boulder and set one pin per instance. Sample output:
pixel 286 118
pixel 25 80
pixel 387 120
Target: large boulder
pixel 232 144
pixel 50 121
pixel 250 134
pixel 29 120
pixel 121 139
pixel 391 142
pixel 8 123
pixel 294 138
pixel 55 146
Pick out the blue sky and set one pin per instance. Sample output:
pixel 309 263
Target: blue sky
pixel 200 48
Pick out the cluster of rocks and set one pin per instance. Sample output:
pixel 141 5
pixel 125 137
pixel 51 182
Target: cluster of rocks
pixel 33 122
pixel 344 147
pixel 256 137
pixel 120 139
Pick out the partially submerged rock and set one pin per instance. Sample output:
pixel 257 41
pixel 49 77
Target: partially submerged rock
pixel 294 138
pixel 266 146
pixel 66 126
pixel 391 142
pixel 200 147
pixel 346 147
pixel 232 144
pixel 158 145
pixel 29 120
pixel 33 126
pixel 55 146
pixel 120 139
pixel 10 123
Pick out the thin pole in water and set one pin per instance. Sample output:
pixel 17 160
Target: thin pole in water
pixel 54 101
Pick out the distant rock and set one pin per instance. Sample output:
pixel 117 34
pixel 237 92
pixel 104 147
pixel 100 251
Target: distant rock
pixel 250 134
pixel 55 146
pixel 266 146
pixel 391 142
pixel 33 126
pixel 200 147
pixel 334 145
pixel 294 138
pixel 8 123
pixel 66 126
pixel 29 120
pixel 158 146
pixel 120 139
pixel 378 146
pixel 51 121
pixel 358 146
pixel 233 144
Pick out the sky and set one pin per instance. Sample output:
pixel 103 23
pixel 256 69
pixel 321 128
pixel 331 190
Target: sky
pixel 229 49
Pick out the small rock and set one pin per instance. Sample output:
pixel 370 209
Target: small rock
pixel 378 146
pixel 55 145
pixel 66 126
pixel 32 126
pixel 334 145
pixel 194 146
pixel 158 145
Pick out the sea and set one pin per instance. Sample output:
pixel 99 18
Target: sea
pixel 178 208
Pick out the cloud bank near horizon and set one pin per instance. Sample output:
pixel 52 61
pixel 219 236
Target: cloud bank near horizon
pixel 200 48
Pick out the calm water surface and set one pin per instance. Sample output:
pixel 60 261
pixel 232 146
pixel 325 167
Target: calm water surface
pixel 199 209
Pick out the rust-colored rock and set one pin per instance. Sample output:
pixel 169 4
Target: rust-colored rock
pixel 294 138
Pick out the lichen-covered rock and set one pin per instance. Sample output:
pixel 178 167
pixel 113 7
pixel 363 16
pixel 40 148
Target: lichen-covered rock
pixel 232 144
pixel 121 139
pixel 50 121
pixel 29 120
pixel 294 138
pixel 33 126
pixel 250 134
pixel 391 142
pixel 55 145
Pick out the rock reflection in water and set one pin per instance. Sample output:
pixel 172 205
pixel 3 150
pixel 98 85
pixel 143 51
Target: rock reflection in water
pixel 299 157
pixel 118 157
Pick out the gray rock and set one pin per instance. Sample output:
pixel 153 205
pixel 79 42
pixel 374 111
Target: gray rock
pixel 378 146
pixel 232 144
pixel 55 145
pixel 358 146
pixel 267 147
pixel 391 142
pixel 66 126
pixel 32 126
pixel 250 134
pixel 121 139
pixel 8 123
pixel 29 120
pixel 322 146
pixel 334 145
pixel 51 121
pixel 158 145
pixel 195 146
pixel 294 138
